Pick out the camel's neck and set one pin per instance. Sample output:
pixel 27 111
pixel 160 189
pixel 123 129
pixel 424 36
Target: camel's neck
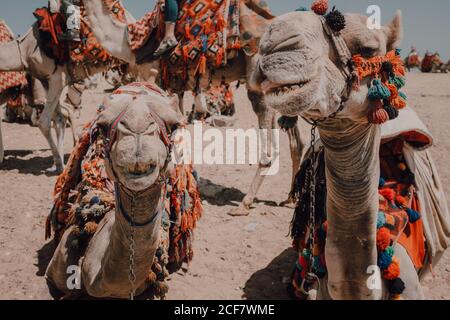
pixel 146 210
pixel 352 172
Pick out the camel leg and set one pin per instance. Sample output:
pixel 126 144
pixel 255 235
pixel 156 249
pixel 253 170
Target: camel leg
pixel 266 120
pixel 296 147
pixel 56 85
pixel 65 256
pixel 60 128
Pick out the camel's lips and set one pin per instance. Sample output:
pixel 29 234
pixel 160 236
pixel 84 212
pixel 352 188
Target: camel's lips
pixel 269 87
pixel 138 170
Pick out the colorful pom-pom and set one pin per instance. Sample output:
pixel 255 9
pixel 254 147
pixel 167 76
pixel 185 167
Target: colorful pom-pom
pixel 381 219
pixel 378 91
pixel 320 7
pixel 393 271
pixel 383 238
pixel 391 111
pixel 388 194
pixel 384 260
pixel 378 115
pixel 335 20
pixel 401 201
pixel 381 183
pixel 399 82
pixel 396 286
pixel 413 215
pixel 388 68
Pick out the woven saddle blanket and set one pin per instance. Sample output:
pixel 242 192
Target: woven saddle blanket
pixel 84 194
pixel 209 32
pixel 88 50
pixel 9 80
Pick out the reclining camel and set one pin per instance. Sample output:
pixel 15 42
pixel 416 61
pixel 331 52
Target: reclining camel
pixel 119 257
pixel 303 71
pixel 113 36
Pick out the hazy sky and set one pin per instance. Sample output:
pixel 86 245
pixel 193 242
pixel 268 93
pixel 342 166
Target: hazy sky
pixel 426 23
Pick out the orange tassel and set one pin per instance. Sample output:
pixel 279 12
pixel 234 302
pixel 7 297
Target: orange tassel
pixel 219 57
pixel 201 69
pixel 187 31
pixel 221 23
pixel 393 271
pixel 398 103
pixel 388 194
pixel 207 28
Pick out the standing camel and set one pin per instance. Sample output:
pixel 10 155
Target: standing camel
pixel 303 72
pixel 27 54
pixel 113 36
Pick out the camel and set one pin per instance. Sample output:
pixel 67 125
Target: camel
pixel 26 54
pixel 413 61
pixel 112 35
pixel 302 70
pixel 137 163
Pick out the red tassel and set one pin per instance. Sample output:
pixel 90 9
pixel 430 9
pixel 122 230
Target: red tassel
pixel 388 194
pixel 378 115
pixel 219 57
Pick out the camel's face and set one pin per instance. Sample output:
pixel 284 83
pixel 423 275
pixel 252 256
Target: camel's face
pixel 298 66
pixel 138 155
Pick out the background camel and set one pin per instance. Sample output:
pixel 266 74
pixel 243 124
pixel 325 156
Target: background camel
pixel 112 35
pixel 26 54
pixel 301 72
pixel 138 164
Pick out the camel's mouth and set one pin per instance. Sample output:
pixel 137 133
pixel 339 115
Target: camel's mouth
pixel 270 88
pixel 139 170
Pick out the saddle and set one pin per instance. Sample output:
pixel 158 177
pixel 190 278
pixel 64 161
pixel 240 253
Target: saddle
pixel 52 26
pixel 10 80
pixel 209 33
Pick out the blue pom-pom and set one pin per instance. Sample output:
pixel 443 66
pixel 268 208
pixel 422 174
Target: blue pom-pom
pixel 302 9
pixel 401 94
pixel 384 260
pixel 398 51
pixel 382 183
pixel 413 215
pixel 381 220
pixel 95 200
pixel 378 91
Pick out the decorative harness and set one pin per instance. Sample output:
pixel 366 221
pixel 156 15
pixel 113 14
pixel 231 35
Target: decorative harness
pixel 111 139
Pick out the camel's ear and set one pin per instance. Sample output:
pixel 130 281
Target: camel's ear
pixel 113 105
pixel 165 111
pixel 394 32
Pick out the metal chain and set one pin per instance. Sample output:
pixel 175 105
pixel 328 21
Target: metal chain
pixel 132 275
pixel 312 197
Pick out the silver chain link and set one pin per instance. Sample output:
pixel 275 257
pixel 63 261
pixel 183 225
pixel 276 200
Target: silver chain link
pixel 132 275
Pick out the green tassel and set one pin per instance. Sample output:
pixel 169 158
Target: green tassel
pixel 401 94
pixel 378 91
pixel 399 82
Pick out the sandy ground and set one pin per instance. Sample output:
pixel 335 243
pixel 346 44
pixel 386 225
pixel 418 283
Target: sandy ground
pixel 235 258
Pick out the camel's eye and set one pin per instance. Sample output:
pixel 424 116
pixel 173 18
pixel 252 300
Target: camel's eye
pixel 367 52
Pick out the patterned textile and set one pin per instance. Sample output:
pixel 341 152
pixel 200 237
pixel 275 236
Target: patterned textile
pixel 9 79
pixel 220 100
pixel 84 195
pixel 397 199
pixel 210 32
pixel 88 50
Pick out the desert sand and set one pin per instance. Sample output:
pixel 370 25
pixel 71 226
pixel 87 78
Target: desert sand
pixel 235 258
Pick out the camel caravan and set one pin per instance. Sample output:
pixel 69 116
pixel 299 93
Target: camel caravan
pixel 429 63
pixel 366 192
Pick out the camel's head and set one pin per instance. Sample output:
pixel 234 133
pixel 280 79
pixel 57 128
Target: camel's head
pixel 138 149
pixel 299 67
